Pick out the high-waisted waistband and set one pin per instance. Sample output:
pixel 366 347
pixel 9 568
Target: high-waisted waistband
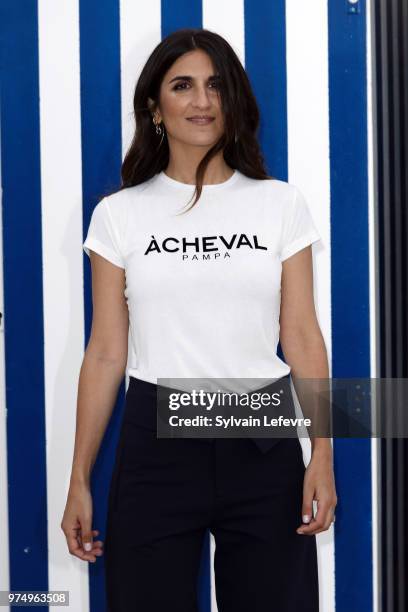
pixel 149 388
pixel 141 406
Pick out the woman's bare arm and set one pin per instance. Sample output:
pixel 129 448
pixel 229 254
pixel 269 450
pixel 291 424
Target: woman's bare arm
pixel 102 370
pixel 104 363
pixel 300 335
pixel 305 351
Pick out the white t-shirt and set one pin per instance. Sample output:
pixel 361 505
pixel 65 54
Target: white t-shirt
pixel 203 288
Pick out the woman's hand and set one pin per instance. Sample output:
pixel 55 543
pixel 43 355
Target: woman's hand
pixel 76 524
pixel 318 485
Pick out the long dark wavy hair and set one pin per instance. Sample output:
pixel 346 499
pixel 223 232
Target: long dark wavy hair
pixel 147 157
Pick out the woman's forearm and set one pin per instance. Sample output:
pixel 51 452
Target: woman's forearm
pixel 99 380
pixel 307 356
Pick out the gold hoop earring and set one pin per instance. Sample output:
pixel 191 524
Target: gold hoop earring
pixel 159 130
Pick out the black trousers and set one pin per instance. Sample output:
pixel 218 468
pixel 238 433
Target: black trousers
pixel 164 495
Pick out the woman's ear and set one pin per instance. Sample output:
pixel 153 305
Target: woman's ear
pixel 151 105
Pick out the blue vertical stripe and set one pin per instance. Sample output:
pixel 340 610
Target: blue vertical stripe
pixel 180 14
pixel 265 63
pixel 204 576
pixel 23 297
pixel 101 162
pixel 350 295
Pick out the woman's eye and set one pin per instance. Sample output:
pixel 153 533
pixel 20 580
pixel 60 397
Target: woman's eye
pixel 180 85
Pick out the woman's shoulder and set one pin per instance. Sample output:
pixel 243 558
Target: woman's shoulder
pixel 271 184
pixel 122 196
pixel 275 193
pixel 125 199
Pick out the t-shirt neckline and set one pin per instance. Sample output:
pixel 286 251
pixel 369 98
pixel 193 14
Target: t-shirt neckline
pixel 164 178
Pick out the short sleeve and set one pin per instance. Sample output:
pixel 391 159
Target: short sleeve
pixel 298 229
pixel 103 236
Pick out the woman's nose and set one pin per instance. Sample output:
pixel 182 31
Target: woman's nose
pixel 201 97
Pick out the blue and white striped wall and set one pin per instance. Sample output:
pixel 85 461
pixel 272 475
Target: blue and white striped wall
pixel 68 75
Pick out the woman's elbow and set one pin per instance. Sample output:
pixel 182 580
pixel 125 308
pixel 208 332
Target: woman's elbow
pixel 302 340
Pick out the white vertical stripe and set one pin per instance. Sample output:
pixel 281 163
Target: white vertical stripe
pixel 309 169
pixel 4 531
pixel 140 32
pixel 374 296
pixel 61 187
pixel 212 574
pixel 227 19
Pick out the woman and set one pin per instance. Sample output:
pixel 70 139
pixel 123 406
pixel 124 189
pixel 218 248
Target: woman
pixel 205 292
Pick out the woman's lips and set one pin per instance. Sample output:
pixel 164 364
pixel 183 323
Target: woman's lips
pixel 201 121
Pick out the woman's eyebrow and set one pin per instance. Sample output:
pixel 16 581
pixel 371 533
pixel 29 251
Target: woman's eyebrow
pixel 190 78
